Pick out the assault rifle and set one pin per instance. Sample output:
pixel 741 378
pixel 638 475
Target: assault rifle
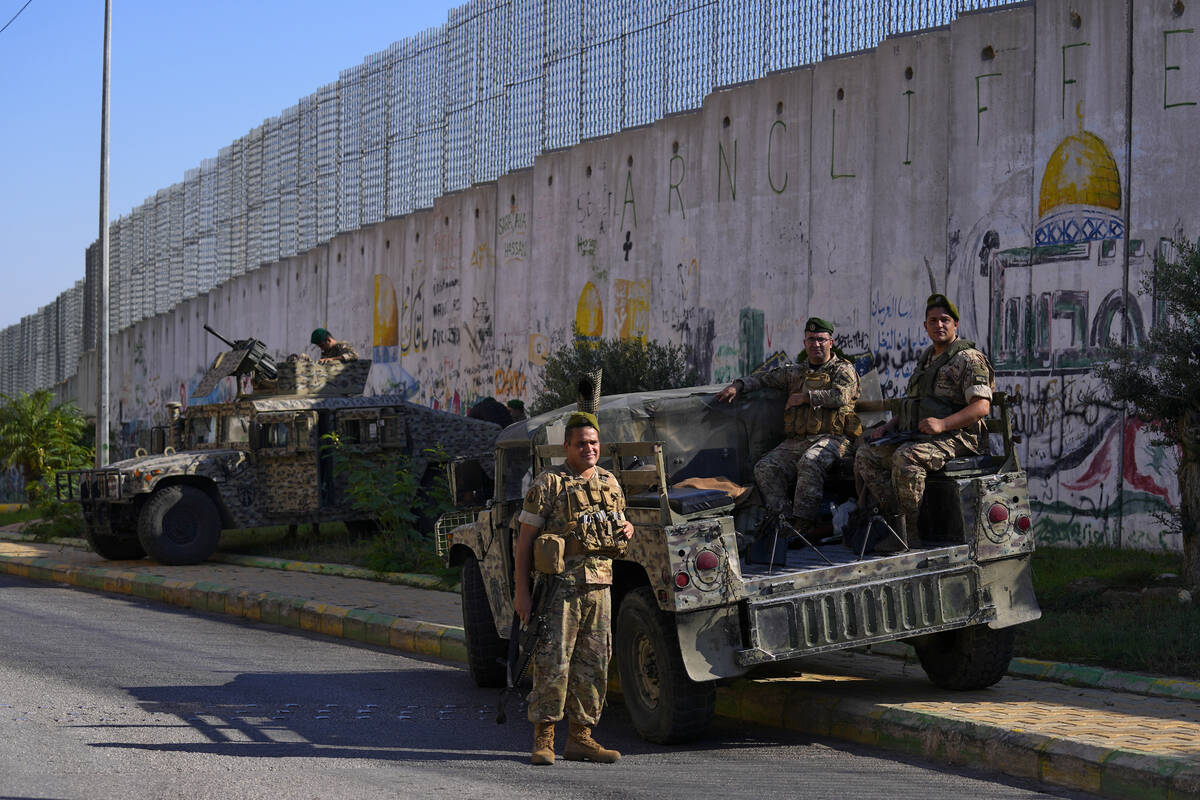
pixel 522 642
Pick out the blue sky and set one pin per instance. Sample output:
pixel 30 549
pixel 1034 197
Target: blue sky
pixel 188 78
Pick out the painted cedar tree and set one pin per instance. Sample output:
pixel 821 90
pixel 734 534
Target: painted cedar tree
pixel 1158 380
pixel 630 365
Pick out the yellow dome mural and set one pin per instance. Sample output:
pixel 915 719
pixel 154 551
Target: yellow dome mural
pixel 387 331
pixel 589 312
pixel 1081 171
pixel 1080 197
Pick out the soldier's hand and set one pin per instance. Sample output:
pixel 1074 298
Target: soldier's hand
pixel 727 394
pixel 627 530
pixel 931 425
pixel 797 399
pixel 523 604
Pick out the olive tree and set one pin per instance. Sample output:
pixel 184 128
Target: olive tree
pixel 1159 382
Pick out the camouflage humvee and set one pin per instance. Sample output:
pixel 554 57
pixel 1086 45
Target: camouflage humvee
pixel 692 609
pixel 258 460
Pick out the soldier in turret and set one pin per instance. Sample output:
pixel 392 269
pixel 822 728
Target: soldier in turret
pixel 939 419
pixel 331 349
pixel 818 420
pixel 581 503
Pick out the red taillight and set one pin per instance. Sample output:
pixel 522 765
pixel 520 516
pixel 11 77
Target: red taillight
pixel 707 560
pixel 997 513
pixel 681 580
pixel 1023 523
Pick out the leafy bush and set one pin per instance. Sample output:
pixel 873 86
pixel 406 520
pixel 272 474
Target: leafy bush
pixel 39 437
pixel 398 506
pixel 630 365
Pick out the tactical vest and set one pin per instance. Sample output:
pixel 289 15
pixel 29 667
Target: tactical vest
pixel 919 401
pixel 809 420
pixel 594 525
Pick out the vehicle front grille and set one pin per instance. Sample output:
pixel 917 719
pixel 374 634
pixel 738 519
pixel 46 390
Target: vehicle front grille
pixel 448 522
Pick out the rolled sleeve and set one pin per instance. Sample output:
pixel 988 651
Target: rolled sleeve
pixel 528 518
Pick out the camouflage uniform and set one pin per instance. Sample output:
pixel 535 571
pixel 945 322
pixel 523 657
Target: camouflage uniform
pixel 570 667
pixel 342 351
pixel 815 441
pixel 966 375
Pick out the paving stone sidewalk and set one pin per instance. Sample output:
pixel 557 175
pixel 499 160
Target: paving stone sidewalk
pixel 1105 741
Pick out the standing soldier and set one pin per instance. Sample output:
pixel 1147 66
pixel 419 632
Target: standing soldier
pixel 579 506
pixel 940 418
pixel 818 420
pixel 331 348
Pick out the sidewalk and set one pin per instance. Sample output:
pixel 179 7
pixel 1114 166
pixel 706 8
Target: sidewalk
pixel 1107 741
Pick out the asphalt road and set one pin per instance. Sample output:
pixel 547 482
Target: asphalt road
pixel 112 697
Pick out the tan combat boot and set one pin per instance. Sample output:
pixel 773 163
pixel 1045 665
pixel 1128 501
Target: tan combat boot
pixel 543 744
pixel 582 747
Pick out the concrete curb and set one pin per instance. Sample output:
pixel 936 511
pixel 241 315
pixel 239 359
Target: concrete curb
pixel 415 580
pixel 425 638
pixel 1075 675
pixel 1072 765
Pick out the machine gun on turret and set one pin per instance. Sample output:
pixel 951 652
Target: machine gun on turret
pixel 244 357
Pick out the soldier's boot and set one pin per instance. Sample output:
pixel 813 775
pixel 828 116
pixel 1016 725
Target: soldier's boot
pixel 543 744
pixel 582 747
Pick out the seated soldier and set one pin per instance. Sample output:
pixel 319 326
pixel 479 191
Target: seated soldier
pixel 941 418
pixel 818 420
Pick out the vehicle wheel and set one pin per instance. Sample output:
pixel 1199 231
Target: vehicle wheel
pixel 179 525
pixel 967 658
pixel 665 704
pixel 114 547
pixel 486 651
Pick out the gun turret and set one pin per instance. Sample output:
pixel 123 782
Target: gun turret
pixel 245 357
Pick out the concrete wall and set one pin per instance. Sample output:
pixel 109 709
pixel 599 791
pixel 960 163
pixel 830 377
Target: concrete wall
pixel 996 160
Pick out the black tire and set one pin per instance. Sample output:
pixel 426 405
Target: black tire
pixel 179 525
pixel 967 658
pixel 114 547
pixel 486 651
pixel 665 704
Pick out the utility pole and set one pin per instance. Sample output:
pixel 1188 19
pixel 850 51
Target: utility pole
pixel 102 317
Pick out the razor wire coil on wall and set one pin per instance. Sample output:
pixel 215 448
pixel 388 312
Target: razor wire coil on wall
pixel 501 82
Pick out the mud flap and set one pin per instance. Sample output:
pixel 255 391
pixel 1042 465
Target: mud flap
pixel 1009 581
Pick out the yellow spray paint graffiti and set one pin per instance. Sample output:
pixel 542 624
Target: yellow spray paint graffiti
pixel 633 308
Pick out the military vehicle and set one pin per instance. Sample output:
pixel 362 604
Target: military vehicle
pixel 259 460
pixel 692 608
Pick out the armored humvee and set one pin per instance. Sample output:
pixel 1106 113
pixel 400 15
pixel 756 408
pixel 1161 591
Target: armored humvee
pixel 691 606
pixel 258 460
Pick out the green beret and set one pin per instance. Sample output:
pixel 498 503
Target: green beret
pixel 818 325
pixel 941 301
pixel 515 404
pixel 319 335
pixel 582 419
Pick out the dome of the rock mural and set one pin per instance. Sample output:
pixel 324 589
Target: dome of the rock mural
pixel 1081 193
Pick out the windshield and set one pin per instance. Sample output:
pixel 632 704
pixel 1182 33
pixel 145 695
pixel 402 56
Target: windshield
pixel 203 430
pixel 237 430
